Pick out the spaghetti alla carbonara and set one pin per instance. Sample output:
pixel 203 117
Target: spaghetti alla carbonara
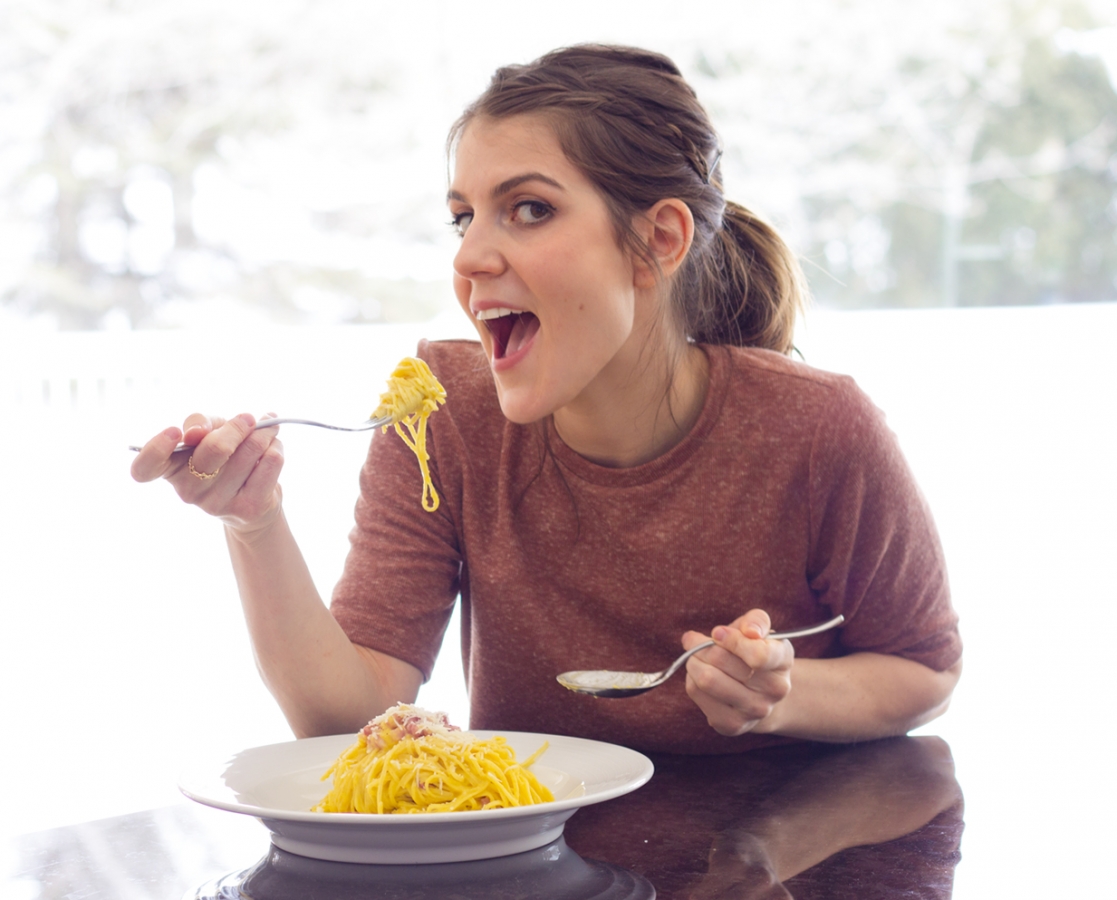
pixel 409 760
pixel 413 394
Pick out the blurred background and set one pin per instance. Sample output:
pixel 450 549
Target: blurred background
pixel 227 206
pixel 161 161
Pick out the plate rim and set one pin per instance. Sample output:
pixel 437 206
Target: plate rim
pixel 645 766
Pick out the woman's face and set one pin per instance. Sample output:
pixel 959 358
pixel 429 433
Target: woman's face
pixel 539 270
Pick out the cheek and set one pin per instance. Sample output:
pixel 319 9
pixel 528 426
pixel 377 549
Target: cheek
pixel 604 297
pixel 587 285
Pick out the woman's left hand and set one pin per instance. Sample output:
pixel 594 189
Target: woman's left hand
pixel 738 682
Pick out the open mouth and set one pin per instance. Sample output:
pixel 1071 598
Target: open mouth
pixel 511 333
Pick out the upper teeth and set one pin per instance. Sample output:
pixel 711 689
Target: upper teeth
pixel 495 312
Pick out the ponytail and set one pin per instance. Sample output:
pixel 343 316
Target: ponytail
pixel 744 288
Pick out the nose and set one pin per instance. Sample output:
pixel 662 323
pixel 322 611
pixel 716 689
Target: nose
pixel 479 255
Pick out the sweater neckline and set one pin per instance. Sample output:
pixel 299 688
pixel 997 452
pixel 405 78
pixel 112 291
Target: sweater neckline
pixel 610 476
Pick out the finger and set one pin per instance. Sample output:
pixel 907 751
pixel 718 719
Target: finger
pixel 720 684
pixel 244 463
pixel 154 458
pixel 719 657
pixel 755 623
pixel 759 655
pixel 737 685
pixel 260 492
pixel 197 426
pixel 267 429
pixel 734 701
pixel 265 473
pixel 218 446
pixel 739 681
pixel 729 706
pixel 693 638
pixel 230 495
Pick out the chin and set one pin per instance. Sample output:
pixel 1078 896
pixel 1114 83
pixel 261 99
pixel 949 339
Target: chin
pixel 517 414
pixel 520 408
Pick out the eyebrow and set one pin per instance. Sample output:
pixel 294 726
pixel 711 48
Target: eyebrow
pixel 511 184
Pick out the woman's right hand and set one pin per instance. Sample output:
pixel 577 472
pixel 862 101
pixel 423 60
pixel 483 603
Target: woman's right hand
pixel 230 469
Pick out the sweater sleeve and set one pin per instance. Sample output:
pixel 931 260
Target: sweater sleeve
pixel 875 553
pixel 402 574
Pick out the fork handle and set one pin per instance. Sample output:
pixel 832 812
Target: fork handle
pixel 364 426
pixel 268 423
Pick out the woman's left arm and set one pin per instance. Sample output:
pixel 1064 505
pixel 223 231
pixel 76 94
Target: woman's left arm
pixel 750 684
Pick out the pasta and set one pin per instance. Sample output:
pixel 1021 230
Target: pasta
pixel 413 394
pixel 409 760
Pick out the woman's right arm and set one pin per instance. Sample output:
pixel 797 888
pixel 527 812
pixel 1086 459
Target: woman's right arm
pixel 323 682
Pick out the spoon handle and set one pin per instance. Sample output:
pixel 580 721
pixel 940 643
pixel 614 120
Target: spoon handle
pixel 674 667
pixel 803 632
pixel 772 636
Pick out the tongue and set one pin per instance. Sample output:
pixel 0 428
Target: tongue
pixel 523 330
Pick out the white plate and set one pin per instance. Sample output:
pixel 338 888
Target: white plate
pixel 280 783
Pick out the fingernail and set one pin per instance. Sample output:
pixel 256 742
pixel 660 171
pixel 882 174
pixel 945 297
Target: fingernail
pixel 720 633
pixel 753 631
pixel 173 433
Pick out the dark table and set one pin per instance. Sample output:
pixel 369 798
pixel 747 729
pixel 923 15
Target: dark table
pixel 880 819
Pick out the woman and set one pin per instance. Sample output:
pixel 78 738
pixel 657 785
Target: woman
pixel 628 462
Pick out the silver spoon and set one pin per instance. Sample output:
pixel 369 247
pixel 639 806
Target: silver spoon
pixel 366 425
pixel 603 683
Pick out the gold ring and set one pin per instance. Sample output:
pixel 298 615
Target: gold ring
pixel 205 476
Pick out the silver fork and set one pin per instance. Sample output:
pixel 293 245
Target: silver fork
pixel 366 425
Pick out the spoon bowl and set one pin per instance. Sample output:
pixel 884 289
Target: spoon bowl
pixel 606 683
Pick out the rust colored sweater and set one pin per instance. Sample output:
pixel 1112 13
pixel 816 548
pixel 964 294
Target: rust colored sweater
pixel 789 494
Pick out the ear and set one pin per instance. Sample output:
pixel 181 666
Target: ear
pixel 668 232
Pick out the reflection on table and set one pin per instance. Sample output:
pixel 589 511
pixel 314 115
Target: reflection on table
pixel 554 872
pixel 881 819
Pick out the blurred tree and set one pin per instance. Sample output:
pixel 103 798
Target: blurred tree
pixel 972 166
pixel 132 111
pixel 1043 187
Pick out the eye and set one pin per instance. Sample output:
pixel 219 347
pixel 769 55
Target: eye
pixel 532 212
pixel 460 222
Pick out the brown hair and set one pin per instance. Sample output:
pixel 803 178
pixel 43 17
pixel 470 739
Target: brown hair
pixel 631 123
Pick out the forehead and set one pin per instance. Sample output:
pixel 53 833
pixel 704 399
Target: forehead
pixel 492 150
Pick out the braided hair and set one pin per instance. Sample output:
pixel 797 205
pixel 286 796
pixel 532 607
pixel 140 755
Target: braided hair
pixel 630 122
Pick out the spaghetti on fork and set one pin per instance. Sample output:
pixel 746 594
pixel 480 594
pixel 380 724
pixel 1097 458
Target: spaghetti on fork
pixel 413 394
